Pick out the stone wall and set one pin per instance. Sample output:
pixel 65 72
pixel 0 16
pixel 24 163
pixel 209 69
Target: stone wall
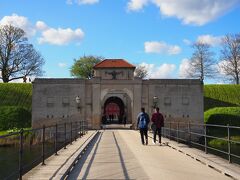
pixel 54 100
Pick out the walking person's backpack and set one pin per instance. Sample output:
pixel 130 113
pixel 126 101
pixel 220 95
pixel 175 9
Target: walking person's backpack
pixel 142 121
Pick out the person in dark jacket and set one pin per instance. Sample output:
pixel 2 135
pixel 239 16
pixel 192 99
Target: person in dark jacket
pixel 142 124
pixel 158 121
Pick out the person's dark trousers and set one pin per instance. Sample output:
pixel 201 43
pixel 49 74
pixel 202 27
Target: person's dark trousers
pixel 144 132
pixel 157 131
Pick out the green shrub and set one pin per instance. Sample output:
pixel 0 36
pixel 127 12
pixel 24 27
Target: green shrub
pixel 224 95
pixel 223 144
pixel 14 117
pixel 223 116
pixel 16 94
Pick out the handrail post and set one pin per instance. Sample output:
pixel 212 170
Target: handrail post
pixel 43 145
pixel 189 133
pixel 84 130
pixel 170 130
pixel 205 138
pixel 55 141
pixel 65 135
pixel 178 132
pixel 20 155
pixel 80 129
pixel 71 133
pixel 229 145
pixel 75 131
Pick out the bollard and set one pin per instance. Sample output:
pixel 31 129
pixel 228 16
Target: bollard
pixel 20 155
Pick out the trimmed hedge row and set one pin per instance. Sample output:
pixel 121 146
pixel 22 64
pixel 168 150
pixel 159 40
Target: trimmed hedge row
pixel 223 95
pixel 16 94
pixel 14 117
pixel 223 116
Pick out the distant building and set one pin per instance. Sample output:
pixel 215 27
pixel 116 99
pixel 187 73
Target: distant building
pixel 114 91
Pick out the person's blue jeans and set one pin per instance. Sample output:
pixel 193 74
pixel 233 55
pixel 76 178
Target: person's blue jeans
pixel 144 132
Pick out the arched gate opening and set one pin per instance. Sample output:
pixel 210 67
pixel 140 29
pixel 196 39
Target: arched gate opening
pixel 113 112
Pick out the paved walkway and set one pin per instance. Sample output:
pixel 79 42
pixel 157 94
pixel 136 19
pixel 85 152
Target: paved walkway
pixel 119 154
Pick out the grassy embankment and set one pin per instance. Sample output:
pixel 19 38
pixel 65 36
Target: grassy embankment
pixel 222 107
pixel 15 105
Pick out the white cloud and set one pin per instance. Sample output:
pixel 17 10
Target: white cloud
pixel 82 2
pixel 161 47
pixel 136 5
pixel 197 12
pixel 41 26
pixel 157 72
pixel 20 22
pixel 62 65
pixel 184 67
pixel 49 35
pixel 61 36
pixel 209 39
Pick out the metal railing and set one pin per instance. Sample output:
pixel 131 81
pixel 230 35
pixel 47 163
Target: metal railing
pixel 23 150
pixel 215 139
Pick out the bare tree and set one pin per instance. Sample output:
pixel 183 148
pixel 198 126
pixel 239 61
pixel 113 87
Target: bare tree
pixel 230 58
pixel 202 63
pixel 18 58
pixel 141 72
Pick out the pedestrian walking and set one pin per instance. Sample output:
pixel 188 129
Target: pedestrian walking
pixel 142 124
pixel 158 122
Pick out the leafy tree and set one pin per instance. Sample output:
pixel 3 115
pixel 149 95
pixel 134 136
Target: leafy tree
pixel 231 57
pixel 141 72
pixel 202 63
pixel 83 67
pixel 18 58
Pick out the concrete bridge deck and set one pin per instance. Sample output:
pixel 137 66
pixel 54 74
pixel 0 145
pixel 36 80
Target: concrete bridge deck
pixel 119 154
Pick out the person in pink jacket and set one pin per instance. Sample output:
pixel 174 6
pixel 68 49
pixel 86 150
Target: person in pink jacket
pixel 158 121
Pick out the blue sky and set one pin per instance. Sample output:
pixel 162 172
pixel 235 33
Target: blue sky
pixel 156 33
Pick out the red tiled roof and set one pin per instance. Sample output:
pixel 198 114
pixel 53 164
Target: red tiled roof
pixel 114 63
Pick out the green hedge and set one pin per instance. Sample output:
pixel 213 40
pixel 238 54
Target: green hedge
pixel 223 116
pixel 16 94
pixel 223 144
pixel 14 117
pixel 224 95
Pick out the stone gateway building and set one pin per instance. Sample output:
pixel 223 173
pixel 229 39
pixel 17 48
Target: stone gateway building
pixel 115 94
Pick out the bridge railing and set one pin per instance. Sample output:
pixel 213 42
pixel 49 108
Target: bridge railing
pixel 221 140
pixel 23 150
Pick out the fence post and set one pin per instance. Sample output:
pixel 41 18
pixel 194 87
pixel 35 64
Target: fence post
pixel 205 138
pixel 20 155
pixel 76 131
pixel 65 135
pixel 189 133
pixel 170 130
pixel 178 132
pixel 84 127
pixel 43 145
pixel 71 134
pixel 229 145
pixel 55 143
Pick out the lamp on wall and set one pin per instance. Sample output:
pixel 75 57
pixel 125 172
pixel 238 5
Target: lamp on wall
pixel 155 101
pixel 78 102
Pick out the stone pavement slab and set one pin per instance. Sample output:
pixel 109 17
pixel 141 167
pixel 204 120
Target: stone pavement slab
pixel 210 160
pixel 119 154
